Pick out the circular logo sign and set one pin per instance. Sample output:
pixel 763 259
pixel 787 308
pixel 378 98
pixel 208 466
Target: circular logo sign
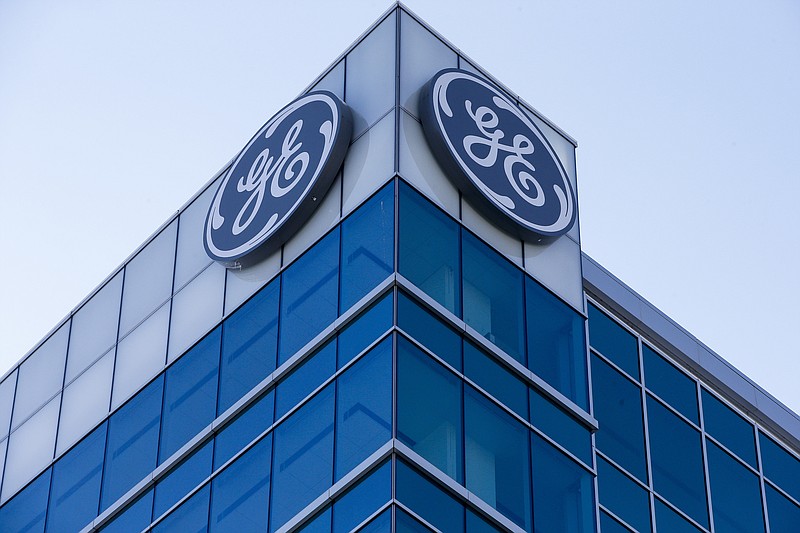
pixel 279 178
pixel 495 154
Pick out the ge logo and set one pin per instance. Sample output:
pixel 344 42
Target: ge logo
pixel 495 155
pixel 279 178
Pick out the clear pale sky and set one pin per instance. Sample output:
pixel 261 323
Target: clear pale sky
pixel 112 114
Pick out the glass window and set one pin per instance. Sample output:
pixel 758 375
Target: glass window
pixel 75 494
pixel 240 500
pixel 725 425
pixel 613 341
pixel 622 496
pixel 132 447
pixel 563 492
pixel 364 408
pixel 429 330
pixel 669 520
pixel 188 474
pixel 609 525
pixel 367 247
pixel 380 524
pixel 677 461
pixel 618 409
pixel 190 517
pixel 196 309
pixel 735 493
pixel 780 466
pixel 190 396
pixel 41 375
pixel 429 409
pixel 310 295
pixel 367 327
pixel 497 458
pixel 429 249
pixel 556 343
pixel 358 503
pixel 783 514
pixel 476 524
pixel 26 512
pixel 426 499
pixel 495 379
pixel 493 297
pixel 244 428
pixel 670 384
pixel 321 523
pixel 135 517
pixel 249 345
pixel 303 463
pixel 305 378
pixel 191 256
pixel 7 388
pixel 561 427
pixel 405 523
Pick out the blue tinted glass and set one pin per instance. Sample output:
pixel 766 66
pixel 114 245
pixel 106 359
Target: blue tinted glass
pixel 364 408
pixel 735 493
pixel 670 384
pixel 380 524
pixel 182 479
pixel 190 394
pixel 367 327
pixel 733 431
pixel 319 524
pixel 135 517
pixel 244 428
pixel 132 442
pixel 427 500
pixel 476 524
pixel 75 495
pixel 429 409
pixel 677 461
pixel 783 514
pixel 429 331
pixel 561 427
pixel 618 409
pixel 429 249
pixel 310 295
pixel 495 379
pixel 611 340
pixel 779 466
pixel 556 343
pixel 497 458
pixel 405 523
pixel 668 520
pixel 367 247
pixel 249 345
pixel 190 517
pixel 622 496
pixel 493 297
pixel 563 492
pixel 609 525
pixel 303 464
pixel 240 500
pixel 304 379
pixel 26 512
pixel 355 506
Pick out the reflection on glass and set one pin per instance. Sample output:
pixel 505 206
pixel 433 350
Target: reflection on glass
pixel 611 340
pixel 670 384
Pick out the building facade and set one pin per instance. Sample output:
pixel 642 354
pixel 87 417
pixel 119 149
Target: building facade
pixel 401 362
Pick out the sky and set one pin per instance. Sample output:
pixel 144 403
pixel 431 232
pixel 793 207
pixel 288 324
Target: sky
pixel 113 114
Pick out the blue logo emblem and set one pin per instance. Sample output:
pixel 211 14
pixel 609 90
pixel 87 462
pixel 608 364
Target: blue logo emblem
pixel 279 178
pixel 495 154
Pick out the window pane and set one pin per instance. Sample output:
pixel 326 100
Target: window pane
pixel 303 464
pixel 493 297
pixel 183 478
pixel 190 517
pixel 668 520
pixel 783 514
pixel 367 247
pixel 611 340
pixel 609 525
pixel 677 460
pixel 244 428
pixel 190 398
pixel 321 523
pixel 135 517
pixel 495 379
pixel 41 375
pixel 429 409
pixel 735 493
pixel 429 244
pixel 364 408
pixel 196 309
pixel 725 425
pixel 670 384
pixel 310 295
pixel 476 524
pixel 365 329
pixel 76 484
pixel 380 524
pixel 556 343
pixel 618 409
pixel 240 499
pixel 622 496
pixel 429 330
pixel 497 458
pixel 779 466
pixel 561 427
pixel 304 379
pixel 132 442
pixel 7 388
pixel 405 523
pixel 26 512
pixel 249 345
pixel 191 256
pixel 427 500
pixel 563 492
pixel 358 503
